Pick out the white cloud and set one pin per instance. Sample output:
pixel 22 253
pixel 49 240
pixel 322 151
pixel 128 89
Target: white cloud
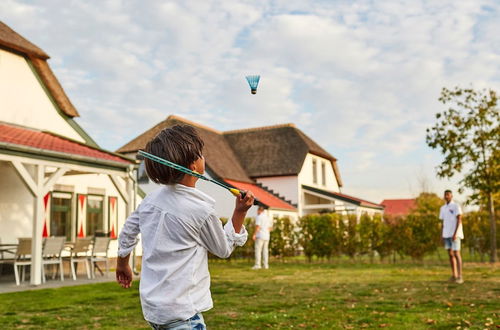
pixel 361 78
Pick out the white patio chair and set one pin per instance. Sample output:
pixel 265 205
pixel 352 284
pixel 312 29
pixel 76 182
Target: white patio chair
pixel 52 254
pixel 99 253
pixel 80 253
pixel 22 258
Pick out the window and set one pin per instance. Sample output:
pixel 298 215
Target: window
pixel 315 171
pixel 323 173
pixel 142 176
pixel 60 215
pixel 95 215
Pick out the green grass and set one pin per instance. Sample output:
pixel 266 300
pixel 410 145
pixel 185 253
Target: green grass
pixel 299 295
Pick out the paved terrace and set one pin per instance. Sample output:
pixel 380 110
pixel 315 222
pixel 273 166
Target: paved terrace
pixel 8 282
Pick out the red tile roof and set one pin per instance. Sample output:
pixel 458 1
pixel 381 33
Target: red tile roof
pixel 263 196
pixel 397 207
pixel 52 142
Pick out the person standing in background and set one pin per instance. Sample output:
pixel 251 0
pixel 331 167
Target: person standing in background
pixel 261 236
pixel 451 215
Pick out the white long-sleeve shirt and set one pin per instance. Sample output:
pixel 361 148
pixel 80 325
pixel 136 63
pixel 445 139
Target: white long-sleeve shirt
pixel 178 226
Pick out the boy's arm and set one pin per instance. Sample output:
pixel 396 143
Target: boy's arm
pixel 221 241
pixel 459 221
pixel 240 210
pixel 127 240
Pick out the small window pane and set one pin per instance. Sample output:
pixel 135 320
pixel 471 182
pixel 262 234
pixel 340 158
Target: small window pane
pixel 60 217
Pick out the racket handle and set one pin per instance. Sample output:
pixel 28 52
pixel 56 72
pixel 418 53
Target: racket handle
pixel 255 200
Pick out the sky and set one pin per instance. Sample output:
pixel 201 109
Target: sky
pixel 362 78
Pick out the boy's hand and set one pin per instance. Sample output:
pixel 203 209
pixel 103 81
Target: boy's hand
pixel 124 275
pixel 244 203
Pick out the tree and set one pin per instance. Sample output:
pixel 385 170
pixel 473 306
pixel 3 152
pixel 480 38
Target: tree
pixel 468 135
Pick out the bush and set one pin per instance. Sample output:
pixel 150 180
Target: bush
pixel 317 234
pixel 283 241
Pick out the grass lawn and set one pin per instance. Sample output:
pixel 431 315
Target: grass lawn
pixel 297 294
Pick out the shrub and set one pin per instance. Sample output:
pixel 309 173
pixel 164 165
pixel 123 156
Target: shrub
pixel 283 242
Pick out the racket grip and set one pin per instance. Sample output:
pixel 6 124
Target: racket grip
pixel 255 200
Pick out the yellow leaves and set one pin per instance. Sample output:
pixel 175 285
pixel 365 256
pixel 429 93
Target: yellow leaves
pixel 430 321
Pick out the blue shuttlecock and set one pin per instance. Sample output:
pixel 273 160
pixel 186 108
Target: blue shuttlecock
pixel 253 81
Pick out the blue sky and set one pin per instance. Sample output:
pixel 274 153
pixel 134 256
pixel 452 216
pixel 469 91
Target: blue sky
pixel 362 78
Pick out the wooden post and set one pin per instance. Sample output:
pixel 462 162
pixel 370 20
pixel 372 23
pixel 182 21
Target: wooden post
pixel 36 240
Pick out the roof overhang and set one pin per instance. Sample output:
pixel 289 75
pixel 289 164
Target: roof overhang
pixel 61 157
pixel 342 197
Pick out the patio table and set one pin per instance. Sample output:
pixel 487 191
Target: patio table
pixel 8 248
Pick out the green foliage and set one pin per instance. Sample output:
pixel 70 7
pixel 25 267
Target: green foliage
pixel 468 134
pixel 421 229
pixel 476 227
pixel 318 234
pixel 283 241
pixel 351 239
pixel 365 234
pixel 421 235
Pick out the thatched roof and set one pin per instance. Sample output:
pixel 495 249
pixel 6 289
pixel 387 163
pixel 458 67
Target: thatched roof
pixel 12 41
pixel 275 150
pixel 244 154
pixel 220 158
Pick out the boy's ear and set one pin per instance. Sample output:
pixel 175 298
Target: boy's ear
pixel 192 166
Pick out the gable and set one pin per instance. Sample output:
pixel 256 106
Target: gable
pixel 275 150
pixel 24 101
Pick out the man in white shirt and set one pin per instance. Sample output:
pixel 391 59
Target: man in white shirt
pixel 178 226
pixel 451 215
pixel 263 227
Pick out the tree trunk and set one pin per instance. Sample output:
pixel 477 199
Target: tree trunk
pixel 493 229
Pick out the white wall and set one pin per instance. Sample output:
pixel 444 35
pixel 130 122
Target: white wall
pixel 306 174
pixel 285 186
pixel 16 206
pixel 23 100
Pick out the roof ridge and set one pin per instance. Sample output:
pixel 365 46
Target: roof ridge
pixel 13 40
pixel 261 128
pixel 192 123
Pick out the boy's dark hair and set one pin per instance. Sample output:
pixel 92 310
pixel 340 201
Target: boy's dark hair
pixel 447 191
pixel 179 144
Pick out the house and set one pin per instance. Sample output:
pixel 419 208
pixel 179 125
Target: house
pixel 56 181
pixel 398 207
pixel 288 172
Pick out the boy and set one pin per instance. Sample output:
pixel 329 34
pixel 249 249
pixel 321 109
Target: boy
pixel 451 215
pixel 178 226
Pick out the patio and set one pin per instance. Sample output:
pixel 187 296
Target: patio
pixel 8 283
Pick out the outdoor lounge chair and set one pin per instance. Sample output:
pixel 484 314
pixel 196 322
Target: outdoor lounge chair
pixel 52 254
pixel 99 253
pixel 79 253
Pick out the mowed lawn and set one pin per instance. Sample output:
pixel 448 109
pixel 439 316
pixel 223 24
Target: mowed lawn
pixel 289 295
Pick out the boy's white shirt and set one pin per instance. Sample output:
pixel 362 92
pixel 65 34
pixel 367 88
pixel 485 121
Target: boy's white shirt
pixel 178 226
pixel 448 213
